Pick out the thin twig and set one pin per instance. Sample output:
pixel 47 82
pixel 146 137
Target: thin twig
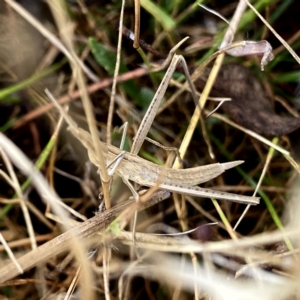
pixel 261 178
pixel 116 72
pixel 10 254
pixel 20 195
pixel 77 94
pixel 137 21
pixel 284 43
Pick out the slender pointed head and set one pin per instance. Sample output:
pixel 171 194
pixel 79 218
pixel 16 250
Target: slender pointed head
pixel 232 164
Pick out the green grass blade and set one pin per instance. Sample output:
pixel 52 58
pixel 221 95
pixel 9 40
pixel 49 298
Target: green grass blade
pixel 252 183
pixel 29 81
pixel 39 163
pixel 159 14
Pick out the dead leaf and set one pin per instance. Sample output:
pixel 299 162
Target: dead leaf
pixel 254 47
pixel 249 105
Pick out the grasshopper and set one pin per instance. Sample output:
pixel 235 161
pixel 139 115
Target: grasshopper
pixel 131 167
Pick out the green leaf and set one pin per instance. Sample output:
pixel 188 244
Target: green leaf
pixel 104 57
pixel 146 95
pixel 107 60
